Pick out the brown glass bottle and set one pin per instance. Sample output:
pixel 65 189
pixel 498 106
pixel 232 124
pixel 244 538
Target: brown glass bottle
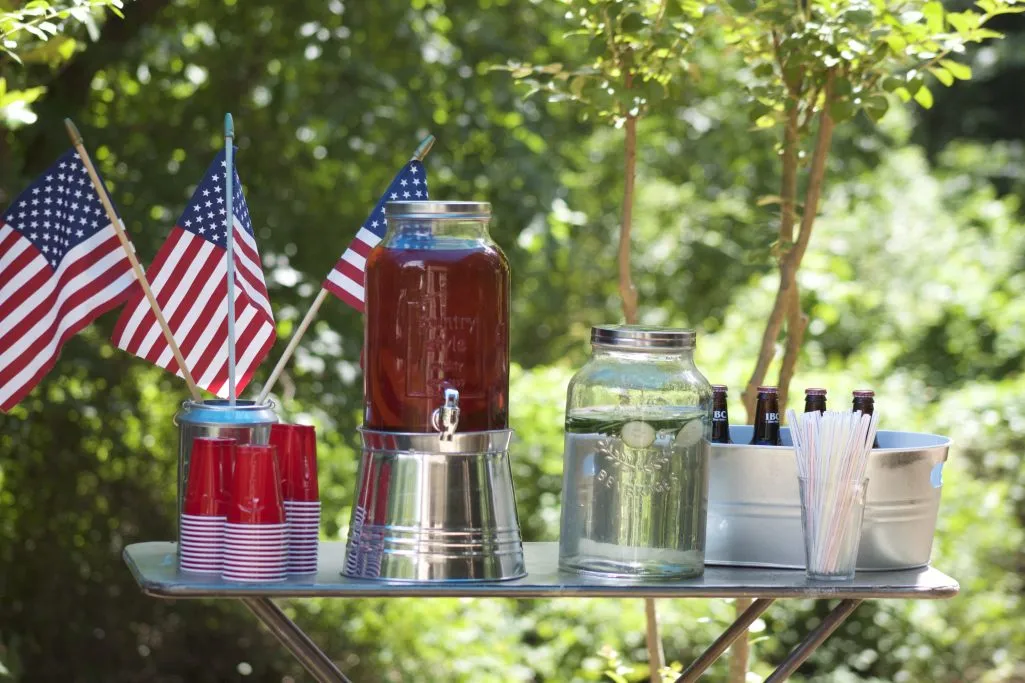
pixel 814 399
pixel 864 400
pixel 766 432
pixel 720 418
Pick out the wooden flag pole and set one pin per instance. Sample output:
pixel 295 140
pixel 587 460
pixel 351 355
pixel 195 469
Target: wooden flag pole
pixel 421 151
pixel 229 236
pixel 140 274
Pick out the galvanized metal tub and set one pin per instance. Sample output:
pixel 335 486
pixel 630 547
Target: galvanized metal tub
pixel 246 422
pixel 427 509
pixel 754 508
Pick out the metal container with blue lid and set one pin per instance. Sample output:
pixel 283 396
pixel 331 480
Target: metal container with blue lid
pixel 246 422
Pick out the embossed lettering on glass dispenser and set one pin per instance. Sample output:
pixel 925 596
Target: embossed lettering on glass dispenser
pixel 635 483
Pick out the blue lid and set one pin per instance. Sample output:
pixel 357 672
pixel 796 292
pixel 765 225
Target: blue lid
pixel 217 411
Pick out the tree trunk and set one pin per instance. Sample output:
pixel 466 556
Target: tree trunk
pixel 787 303
pixel 627 291
pixel 792 257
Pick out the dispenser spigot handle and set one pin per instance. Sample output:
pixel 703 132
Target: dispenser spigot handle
pixel 446 418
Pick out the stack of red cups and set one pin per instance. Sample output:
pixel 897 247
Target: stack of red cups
pixel 204 509
pixel 297 450
pixel 255 538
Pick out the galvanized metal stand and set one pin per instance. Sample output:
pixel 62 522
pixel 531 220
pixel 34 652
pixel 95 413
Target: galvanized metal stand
pixel 154 566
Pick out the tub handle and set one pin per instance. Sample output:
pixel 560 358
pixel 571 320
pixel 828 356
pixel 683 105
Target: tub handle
pixel 446 418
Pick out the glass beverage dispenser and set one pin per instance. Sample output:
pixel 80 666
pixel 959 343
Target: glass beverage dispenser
pixel 437 292
pixel 435 498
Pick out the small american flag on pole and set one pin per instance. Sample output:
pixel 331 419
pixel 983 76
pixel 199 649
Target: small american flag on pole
pixel 188 280
pixel 61 266
pixel 346 279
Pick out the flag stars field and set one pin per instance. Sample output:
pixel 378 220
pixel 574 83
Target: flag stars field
pixel 60 268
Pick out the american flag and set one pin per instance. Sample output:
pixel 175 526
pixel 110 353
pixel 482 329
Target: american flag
pixel 188 280
pixel 346 279
pixel 61 266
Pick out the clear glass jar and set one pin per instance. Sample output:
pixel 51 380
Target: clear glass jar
pixel 437 321
pixel 635 482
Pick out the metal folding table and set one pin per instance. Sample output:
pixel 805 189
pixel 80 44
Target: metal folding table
pixel 154 566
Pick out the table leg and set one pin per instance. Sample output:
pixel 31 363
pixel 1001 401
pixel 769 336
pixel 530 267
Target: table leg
pixel 812 641
pixel 737 629
pixel 318 664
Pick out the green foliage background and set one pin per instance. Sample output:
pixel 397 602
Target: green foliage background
pixel 914 282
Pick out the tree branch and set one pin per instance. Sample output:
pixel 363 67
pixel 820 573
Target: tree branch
pixel 627 291
pixel 68 93
pixel 788 198
pixel 740 651
pixel 797 323
pixel 793 257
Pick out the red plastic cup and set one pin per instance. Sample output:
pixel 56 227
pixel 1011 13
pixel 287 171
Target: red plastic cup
pixel 255 488
pixel 226 463
pixel 203 492
pixel 297 452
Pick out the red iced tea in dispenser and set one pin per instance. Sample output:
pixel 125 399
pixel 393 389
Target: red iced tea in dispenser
pixel 437 321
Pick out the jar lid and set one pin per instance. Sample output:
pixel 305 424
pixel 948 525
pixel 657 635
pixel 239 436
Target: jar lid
pixel 438 209
pixel 642 337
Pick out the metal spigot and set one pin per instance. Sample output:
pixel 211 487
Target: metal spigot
pixel 446 418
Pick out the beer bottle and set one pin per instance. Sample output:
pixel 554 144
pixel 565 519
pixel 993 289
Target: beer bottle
pixel 766 431
pixel 720 418
pixel 814 399
pixel 864 400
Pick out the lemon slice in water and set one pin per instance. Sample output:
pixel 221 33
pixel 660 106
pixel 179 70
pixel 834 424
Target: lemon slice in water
pixel 638 434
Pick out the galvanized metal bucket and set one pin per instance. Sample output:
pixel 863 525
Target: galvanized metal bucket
pixel 431 508
pixel 754 506
pixel 246 422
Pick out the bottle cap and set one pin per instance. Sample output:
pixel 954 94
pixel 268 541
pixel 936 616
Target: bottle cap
pixel 814 392
pixel 768 390
pixel 719 388
pixel 864 393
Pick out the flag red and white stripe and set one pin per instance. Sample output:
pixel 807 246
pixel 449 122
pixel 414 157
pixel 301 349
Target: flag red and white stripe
pixel 61 266
pixel 187 278
pixel 346 279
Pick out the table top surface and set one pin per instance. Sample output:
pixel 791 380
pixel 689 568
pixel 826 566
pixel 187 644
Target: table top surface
pixel 154 566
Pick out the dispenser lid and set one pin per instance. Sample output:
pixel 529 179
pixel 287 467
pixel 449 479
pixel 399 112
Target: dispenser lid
pixel 642 337
pixel 438 209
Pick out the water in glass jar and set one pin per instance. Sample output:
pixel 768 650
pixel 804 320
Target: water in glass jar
pixel 635 492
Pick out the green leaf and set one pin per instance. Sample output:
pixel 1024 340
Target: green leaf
pixel 961 72
pixel 876 107
pixel 913 81
pixel 891 83
pixel 896 43
pixel 632 23
pixel 37 32
pixel 903 94
pixel 962 22
pixel 933 12
pixel 841 110
pixel 859 17
pixel 942 75
pixel 924 97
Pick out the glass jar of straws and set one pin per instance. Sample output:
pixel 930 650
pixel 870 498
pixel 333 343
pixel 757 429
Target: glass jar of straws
pixel 832 451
